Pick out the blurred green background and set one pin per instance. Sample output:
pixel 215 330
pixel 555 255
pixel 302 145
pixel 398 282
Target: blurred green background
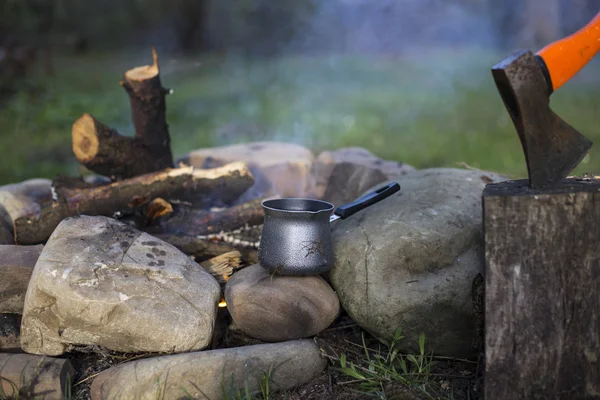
pixel 409 80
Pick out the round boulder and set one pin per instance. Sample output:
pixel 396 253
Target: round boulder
pixel 100 282
pixel 409 261
pixel 278 308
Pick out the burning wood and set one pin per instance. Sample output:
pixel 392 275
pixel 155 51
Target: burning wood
pixel 209 224
pixel 146 189
pixel 204 249
pixel 106 152
pixel 158 208
pixel 200 187
pixel 223 266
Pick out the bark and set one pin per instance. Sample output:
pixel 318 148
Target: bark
pixel 106 152
pixel 201 187
pixel 542 292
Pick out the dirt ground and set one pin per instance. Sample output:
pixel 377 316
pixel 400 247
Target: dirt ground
pixel 449 378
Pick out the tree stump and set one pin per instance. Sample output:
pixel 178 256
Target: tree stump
pixel 542 293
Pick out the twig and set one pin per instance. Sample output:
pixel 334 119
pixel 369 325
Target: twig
pixel 359 345
pixel 339 328
pixel 87 378
pixel 455 359
pixel 350 382
pixel 469 376
pixel 122 362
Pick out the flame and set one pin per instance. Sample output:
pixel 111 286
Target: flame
pixel 222 304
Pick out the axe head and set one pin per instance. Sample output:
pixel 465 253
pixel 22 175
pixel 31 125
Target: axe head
pixel 552 147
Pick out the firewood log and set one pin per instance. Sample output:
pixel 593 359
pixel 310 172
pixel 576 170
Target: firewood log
pixel 105 151
pixel 202 188
pixel 193 221
pixel 204 249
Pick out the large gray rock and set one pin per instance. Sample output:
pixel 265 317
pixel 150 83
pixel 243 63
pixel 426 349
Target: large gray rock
pixel 410 260
pixel 101 282
pixel 207 374
pixel 278 308
pixel 19 199
pixel 343 174
pixel 279 169
pixel 16 267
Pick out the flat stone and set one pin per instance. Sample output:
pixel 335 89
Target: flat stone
pixel 207 374
pixel 409 261
pixel 279 169
pixel 101 282
pixel 343 174
pixel 35 376
pixel 16 266
pixel 278 308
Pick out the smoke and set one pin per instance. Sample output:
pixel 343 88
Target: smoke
pixel 322 72
pixel 342 48
pixel 394 26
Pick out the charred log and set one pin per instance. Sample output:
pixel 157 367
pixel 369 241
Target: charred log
pixel 208 223
pixel 200 187
pixel 204 249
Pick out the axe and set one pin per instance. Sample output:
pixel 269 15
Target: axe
pixel 525 82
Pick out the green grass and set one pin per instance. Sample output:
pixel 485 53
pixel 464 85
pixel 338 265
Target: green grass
pixel 376 371
pixel 434 109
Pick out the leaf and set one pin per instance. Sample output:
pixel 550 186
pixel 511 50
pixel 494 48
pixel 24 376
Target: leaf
pixel 398 334
pixel 403 366
pixel 353 373
pixel 343 361
pixel 422 343
pixel 412 359
pixel 393 355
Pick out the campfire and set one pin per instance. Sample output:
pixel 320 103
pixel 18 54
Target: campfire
pixel 154 264
pixel 134 179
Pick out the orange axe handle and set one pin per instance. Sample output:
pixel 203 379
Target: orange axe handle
pixel 566 57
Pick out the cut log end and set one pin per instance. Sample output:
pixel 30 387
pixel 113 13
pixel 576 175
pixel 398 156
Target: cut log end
pixel 144 72
pixel 85 138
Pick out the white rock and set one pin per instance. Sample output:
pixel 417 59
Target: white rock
pixel 99 281
pixel 207 374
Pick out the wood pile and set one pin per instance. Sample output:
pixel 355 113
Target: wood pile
pixel 137 182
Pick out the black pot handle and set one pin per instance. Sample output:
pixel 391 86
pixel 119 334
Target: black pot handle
pixel 367 200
